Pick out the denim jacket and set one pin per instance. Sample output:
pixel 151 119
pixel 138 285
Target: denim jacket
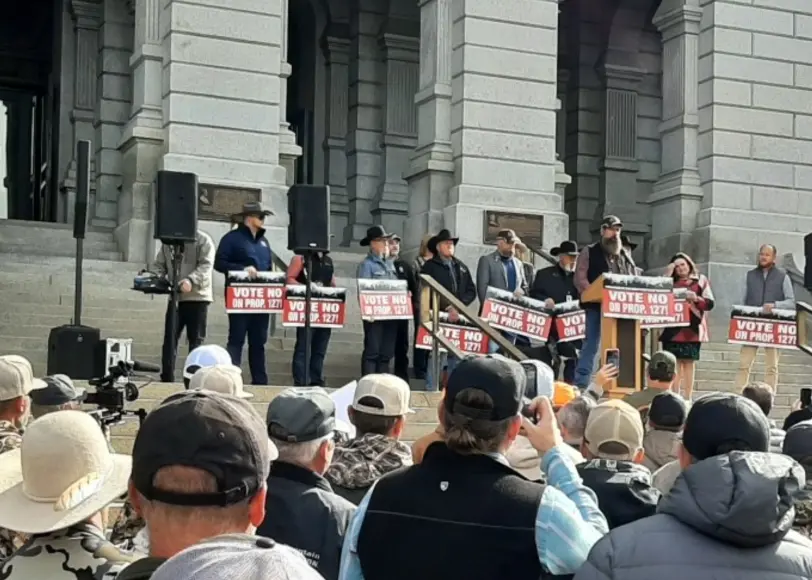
pixel 376 268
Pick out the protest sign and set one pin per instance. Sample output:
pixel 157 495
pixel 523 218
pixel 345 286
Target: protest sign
pixel 327 306
pixel 754 327
pixel 516 314
pixel 384 300
pixel 264 294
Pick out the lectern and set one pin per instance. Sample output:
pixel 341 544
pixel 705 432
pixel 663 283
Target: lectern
pixel 625 302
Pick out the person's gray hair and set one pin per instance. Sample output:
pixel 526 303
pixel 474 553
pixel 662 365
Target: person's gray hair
pixel 573 416
pixel 38 411
pixel 301 454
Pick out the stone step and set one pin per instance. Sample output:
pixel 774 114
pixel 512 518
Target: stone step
pixel 787 393
pixel 22 261
pixel 789 365
pixel 64 250
pixel 785 378
pixel 43 233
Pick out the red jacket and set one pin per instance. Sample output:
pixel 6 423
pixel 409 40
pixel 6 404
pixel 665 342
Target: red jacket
pixel 701 287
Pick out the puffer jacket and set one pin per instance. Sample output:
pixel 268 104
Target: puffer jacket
pixel 776 438
pixel 803 508
pixel 660 448
pixel 727 518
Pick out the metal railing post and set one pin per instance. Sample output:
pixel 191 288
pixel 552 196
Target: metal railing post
pixel 435 345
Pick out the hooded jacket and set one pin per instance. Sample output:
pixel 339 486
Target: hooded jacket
pixel 660 448
pixel 776 438
pixel 727 517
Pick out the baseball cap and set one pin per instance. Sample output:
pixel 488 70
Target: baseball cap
pixel 15 381
pixel 225 379
pixel 798 442
pixel 59 390
pixel 668 411
pixel 614 421
pixel 220 434
pixel 204 356
pixel 611 221
pixel 662 366
pixel 393 394
pixel 508 235
pixel 27 370
pixel 503 380
pixel 301 414
pixel 722 422
pixel 237 557
pixel 563 393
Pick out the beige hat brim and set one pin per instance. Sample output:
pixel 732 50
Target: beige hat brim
pixel 21 514
pixel 37 384
pixel 245 395
pixel 11 478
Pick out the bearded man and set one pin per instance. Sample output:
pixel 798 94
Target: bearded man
pixel 605 255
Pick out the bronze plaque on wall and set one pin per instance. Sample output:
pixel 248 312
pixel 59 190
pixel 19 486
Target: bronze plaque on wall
pixel 528 227
pixel 220 202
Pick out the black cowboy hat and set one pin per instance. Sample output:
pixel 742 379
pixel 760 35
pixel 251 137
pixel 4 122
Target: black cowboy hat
pixel 443 236
pixel 375 233
pixel 626 241
pixel 568 248
pixel 254 208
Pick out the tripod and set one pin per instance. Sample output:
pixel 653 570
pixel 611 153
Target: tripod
pixel 170 346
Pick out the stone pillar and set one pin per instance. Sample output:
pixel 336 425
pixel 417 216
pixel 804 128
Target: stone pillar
pixel 503 116
pixel 221 101
pixel 401 61
pixel 618 167
pixel 677 195
pixel 87 17
pixel 336 47
pixel 431 172
pixel 365 117
pixel 142 143
pixel 289 151
pixel 562 180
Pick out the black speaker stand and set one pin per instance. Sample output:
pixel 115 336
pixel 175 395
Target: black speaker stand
pixel 308 268
pixel 171 337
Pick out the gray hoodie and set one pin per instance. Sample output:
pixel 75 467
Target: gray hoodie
pixel 660 448
pixel 727 518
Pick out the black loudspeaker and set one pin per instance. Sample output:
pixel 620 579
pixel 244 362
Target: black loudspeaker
pixel 309 209
pixel 175 207
pixel 808 264
pixel 72 351
pixel 82 189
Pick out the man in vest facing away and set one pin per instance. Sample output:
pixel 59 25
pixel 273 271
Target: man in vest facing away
pixel 463 510
pixel 605 255
pixel 767 287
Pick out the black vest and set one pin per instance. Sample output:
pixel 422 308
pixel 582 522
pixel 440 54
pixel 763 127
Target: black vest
pixel 597 263
pixel 322 271
pixel 451 516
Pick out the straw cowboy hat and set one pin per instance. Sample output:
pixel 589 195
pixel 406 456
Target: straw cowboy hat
pixel 64 474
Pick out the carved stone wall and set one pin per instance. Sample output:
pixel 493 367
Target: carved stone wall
pixel 336 47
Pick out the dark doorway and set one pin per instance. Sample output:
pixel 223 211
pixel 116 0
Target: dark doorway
pixel 301 84
pixel 29 105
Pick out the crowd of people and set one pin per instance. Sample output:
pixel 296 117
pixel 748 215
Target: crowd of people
pixel 568 484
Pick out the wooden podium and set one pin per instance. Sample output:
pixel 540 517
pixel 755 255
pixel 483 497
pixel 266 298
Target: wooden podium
pixel 621 330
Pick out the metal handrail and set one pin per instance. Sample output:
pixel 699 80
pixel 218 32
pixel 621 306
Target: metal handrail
pixel 542 253
pixel 277 265
pixel 802 310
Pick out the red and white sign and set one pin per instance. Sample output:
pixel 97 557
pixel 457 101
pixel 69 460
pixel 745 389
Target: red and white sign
pixel 264 294
pixel 751 326
pixel 467 339
pixel 570 323
pixel 682 313
pixel 384 300
pixel 638 302
pixel 327 307
pixel 519 315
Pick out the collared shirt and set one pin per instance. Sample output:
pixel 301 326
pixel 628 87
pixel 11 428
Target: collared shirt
pixel 376 268
pixel 568 521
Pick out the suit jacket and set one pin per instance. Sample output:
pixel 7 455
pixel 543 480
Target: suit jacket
pixel 491 272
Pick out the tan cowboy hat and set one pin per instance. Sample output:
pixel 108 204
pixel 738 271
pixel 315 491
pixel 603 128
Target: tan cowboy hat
pixel 66 474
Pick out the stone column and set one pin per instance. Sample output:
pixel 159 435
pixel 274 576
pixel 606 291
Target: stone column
pixel 87 17
pixel 289 151
pixel 336 47
pixel 503 115
pixel 401 61
pixel 618 167
pixel 142 143
pixel 562 180
pixel 431 172
pixel 365 117
pixel 677 195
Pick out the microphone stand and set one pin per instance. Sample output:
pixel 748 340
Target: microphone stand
pixel 308 268
pixel 171 333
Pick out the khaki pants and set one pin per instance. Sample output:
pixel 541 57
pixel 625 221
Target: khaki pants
pixel 746 358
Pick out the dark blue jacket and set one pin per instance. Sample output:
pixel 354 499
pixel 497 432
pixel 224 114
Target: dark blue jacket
pixel 239 249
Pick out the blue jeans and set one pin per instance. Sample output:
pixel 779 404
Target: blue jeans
pixel 255 327
pixel 509 336
pixel 319 339
pixel 589 349
pixel 446 361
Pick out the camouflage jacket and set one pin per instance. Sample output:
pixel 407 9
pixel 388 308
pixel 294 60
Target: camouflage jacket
pixel 80 552
pixel 362 461
pixel 803 511
pixel 10 439
pixel 126 528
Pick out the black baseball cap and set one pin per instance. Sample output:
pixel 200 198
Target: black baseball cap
pixel 301 414
pixel 220 434
pixel 59 390
pixel 503 380
pixel 722 422
pixel 668 411
pixel 662 366
pixel 798 442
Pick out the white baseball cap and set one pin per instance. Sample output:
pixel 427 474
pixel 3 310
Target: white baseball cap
pixel 205 356
pixel 17 377
pixel 391 394
pixel 225 379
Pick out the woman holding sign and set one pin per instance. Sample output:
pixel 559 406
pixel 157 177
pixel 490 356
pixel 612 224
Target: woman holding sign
pixel 684 341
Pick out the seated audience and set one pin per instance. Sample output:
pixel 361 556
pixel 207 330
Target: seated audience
pixel 798 445
pixel 378 412
pixel 762 395
pixel 237 557
pixel 613 447
pixel 661 374
pixel 666 418
pixel 463 512
pixel 729 515
pixel 55 487
pixel 59 394
pixel 199 469
pixel 301 509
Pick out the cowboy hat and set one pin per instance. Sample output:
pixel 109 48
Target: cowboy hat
pixel 66 474
pixel 375 233
pixel 254 208
pixel 626 241
pixel 443 236
pixel 568 248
